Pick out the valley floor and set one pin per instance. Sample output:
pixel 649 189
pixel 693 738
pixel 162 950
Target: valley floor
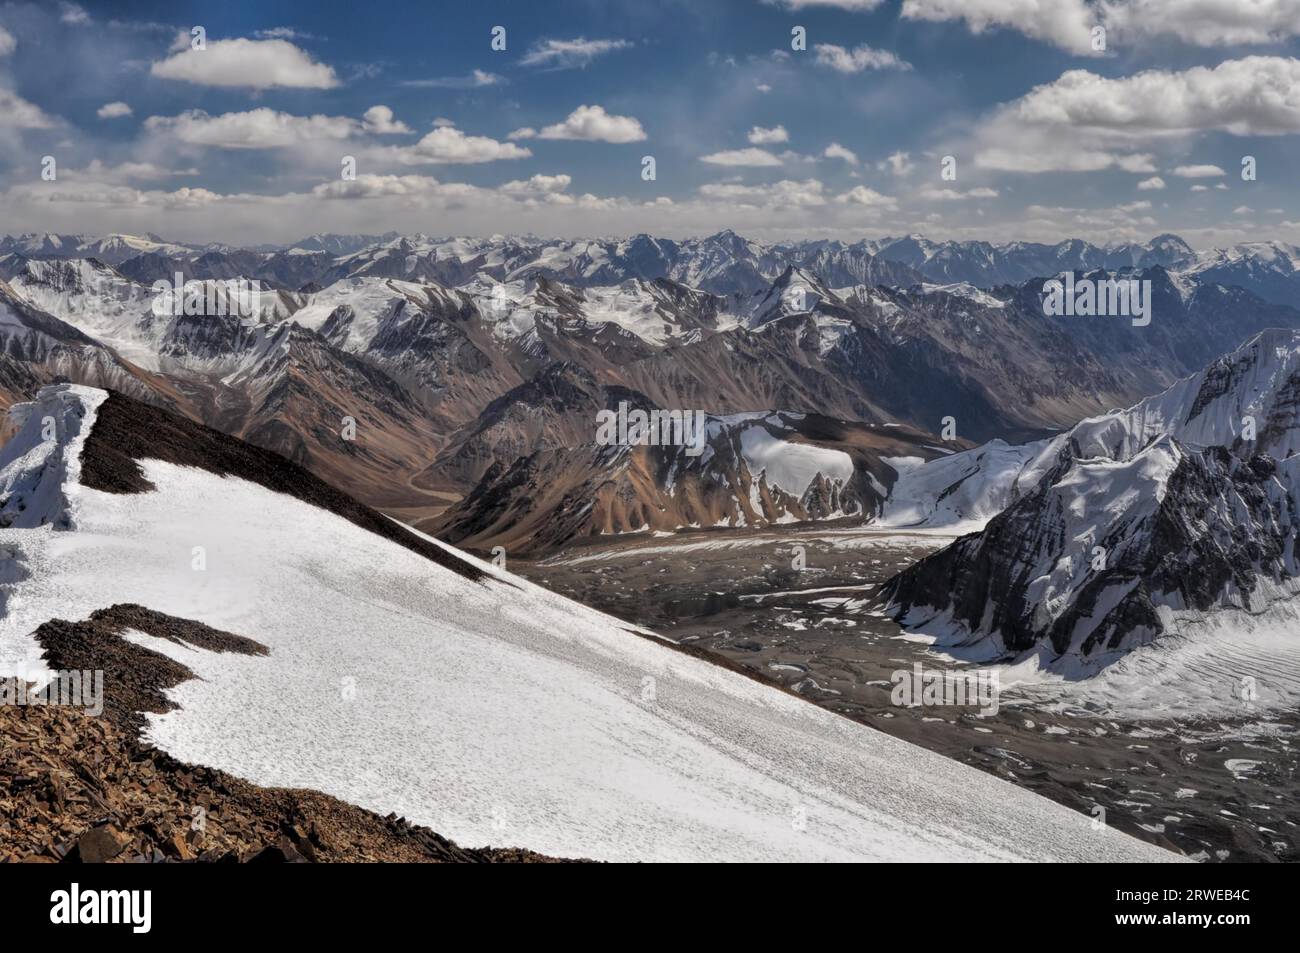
pixel 1215 789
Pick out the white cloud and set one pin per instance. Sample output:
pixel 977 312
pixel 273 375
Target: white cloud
pixel 1142 206
pixel 857 59
pixel 861 195
pixel 1250 96
pixel 1068 24
pixel 567 54
pixel 765 137
pixel 377 186
pixel 1200 188
pixel 114 110
pixel 255 64
pixel 785 193
pixel 932 194
pixel 379 120
pixel 837 151
pixel 448 145
pixel 18 113
pixel 741 157
pixel 763 88
pixel 538 185
pixel 590 124
pixel 1206 22
pixel 129 172
pixel 260 128
pixel 1155 182
pixel 1065 23
pixel 283 33
pixel 73 14
pixel 899 163
pixel 1083 122
pixel 475 79
pixel 7 42
pixel 853 6
pixel 1242 210
pixel 1198 172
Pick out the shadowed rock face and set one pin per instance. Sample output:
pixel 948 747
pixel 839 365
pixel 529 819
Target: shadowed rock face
pixel 1168 505
pixel 1222 526
pixel 550 498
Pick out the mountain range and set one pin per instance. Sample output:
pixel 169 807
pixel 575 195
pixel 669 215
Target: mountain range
pixel 1123 530
pixel 455 383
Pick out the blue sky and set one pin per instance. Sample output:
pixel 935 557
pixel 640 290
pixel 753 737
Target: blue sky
pixel 1050 136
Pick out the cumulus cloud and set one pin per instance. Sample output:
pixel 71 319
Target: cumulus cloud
pixel 932 194
pixel 448 145
pixel 1083 122
pixel 857 59
pixel 73 14
pixel 7 42
pixel 785 193
pixel 1155 182
pixel 1068 24
pixel 379 120
pixel 127 172
pixel 1206 22
pixel 1064 23
pixel 741 157
pixel 1199 172
pixel 568 54
pixel 590 124
pixel 759 136
pixel 265 128
pixel 114 110
pixel 899 163
pixel 260 128
pixel 837 151
pixel 538 185
pixel 1250 96
pixel 861 195
pixel 377 186
pixel 253 64
pixel 18 113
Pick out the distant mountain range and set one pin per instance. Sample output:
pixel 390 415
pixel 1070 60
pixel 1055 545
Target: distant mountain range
pixel 724 263
pixel 447 380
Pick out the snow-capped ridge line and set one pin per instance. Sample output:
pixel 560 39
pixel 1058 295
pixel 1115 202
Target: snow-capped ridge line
pixel 40 466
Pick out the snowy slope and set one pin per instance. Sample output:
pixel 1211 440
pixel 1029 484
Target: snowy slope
pixel 492 711
pixel 1259 382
